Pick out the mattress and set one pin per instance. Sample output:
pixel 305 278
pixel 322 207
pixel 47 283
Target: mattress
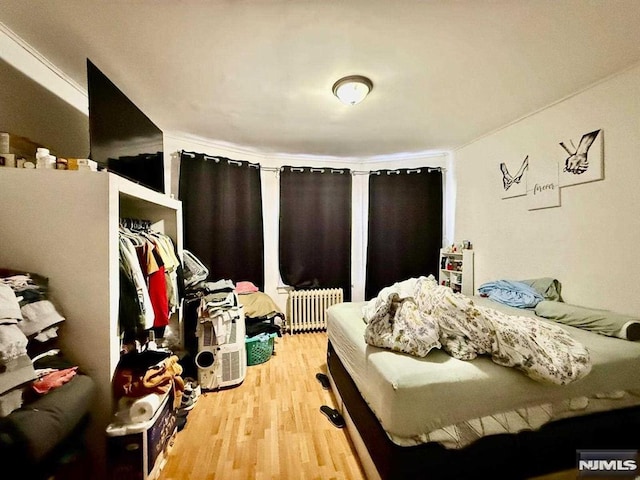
pixel 439 398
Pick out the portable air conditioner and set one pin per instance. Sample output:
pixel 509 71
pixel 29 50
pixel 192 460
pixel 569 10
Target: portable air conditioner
pixel 233 364
pixel 221 365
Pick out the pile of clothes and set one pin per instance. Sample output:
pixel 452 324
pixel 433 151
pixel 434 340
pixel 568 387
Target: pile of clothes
pixel 44 398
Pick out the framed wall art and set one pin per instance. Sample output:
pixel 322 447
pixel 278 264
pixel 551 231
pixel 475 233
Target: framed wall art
pixel 514 182
pixel 583 162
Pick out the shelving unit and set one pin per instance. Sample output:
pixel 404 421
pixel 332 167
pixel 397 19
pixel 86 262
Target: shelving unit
pixel 64 225
pixel 456 270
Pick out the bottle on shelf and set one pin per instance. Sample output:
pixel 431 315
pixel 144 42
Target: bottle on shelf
pixel 44 159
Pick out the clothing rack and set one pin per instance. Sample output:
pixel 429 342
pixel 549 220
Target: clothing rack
pixel 136 224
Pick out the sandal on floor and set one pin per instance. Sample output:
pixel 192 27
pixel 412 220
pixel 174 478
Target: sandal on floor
pixel 324 380
pixel 333 415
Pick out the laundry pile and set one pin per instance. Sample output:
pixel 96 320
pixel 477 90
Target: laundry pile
pixel 44 398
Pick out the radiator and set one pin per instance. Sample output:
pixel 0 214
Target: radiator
pixel 307 309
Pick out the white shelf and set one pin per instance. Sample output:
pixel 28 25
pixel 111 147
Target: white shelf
pixel 459 279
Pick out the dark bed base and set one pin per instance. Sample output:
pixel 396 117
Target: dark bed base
pixel 510 456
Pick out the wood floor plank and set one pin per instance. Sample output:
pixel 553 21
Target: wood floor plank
pixel 268 428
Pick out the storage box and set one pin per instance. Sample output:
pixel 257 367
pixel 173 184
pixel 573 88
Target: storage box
pixel 137 451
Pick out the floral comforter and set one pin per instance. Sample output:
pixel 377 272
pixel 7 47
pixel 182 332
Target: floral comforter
pixel 417 315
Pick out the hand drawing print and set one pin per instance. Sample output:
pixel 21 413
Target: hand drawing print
pixel 582 163
pixel 578 162
pixel 515 181
pixel 509 180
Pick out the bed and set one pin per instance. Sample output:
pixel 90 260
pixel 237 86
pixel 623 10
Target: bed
pixel 439 417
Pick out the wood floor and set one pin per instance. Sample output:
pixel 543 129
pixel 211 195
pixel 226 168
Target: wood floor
pixel 270 426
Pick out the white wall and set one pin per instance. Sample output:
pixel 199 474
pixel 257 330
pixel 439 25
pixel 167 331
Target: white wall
pixel 270 194
pixel 589 243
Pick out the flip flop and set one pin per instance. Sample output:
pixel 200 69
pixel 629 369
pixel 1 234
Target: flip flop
pixel 324 380
pixel 333 415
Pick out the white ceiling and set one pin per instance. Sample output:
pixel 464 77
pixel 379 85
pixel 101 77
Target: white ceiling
pixel 258 73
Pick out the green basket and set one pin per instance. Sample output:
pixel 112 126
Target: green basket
pixel 259 348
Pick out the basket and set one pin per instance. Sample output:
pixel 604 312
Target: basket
pixel 259 348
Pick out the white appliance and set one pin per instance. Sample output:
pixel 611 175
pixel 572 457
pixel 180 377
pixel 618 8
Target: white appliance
pixel 221 359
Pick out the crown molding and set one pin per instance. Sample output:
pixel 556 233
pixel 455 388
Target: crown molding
pixel 22 56
pixel 226 148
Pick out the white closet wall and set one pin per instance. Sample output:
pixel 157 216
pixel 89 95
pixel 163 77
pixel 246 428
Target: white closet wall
pixel 64 225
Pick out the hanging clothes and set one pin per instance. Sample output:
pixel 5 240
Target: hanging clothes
pixel 140 306
pixel 150 266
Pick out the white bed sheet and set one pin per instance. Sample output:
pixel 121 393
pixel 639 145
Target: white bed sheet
pixel 424 399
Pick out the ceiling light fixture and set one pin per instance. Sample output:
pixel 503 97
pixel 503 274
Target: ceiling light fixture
pixel 352 89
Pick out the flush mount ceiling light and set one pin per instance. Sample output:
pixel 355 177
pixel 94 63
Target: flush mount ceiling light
pixel 352 89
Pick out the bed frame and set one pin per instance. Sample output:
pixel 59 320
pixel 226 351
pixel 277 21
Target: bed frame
pixel 516 456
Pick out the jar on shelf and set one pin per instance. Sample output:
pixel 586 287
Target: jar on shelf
pixel 42 157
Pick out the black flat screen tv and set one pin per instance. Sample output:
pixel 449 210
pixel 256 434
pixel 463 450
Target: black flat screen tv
pixel 122 139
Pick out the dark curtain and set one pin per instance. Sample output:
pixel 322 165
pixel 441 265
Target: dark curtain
pixel 315 228
pixel 222 211
pixel 405 226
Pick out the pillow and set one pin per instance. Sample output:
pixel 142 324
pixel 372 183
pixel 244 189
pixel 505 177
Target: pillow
pixel 246 287
pixel 604 322
pixel 548 287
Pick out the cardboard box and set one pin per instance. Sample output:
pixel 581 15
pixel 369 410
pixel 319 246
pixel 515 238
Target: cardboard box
pixel 137 451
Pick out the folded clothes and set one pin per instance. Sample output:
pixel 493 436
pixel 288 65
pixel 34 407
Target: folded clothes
pixel 13 344
pixel 10 401
pixel 17 372
pixel 38 316
pixel 9 306
pixel 54 380
pixel 28 287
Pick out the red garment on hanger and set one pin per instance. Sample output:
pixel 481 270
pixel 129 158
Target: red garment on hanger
pixel 159 298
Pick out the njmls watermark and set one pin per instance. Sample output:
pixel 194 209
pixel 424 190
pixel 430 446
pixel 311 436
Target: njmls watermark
pixel 609 463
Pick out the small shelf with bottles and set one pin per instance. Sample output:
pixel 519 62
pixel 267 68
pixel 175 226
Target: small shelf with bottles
pixel 456 269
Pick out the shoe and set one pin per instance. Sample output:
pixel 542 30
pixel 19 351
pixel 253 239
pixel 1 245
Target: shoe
pixel 180 422
pixel 333 415
pixel 192 388
pixel 186 407
pixel 324 380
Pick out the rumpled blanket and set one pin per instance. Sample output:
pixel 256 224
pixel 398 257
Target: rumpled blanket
pixel 418 315
pixel 512 293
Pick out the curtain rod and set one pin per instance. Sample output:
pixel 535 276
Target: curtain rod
pixel 353 172
pixel 358 172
